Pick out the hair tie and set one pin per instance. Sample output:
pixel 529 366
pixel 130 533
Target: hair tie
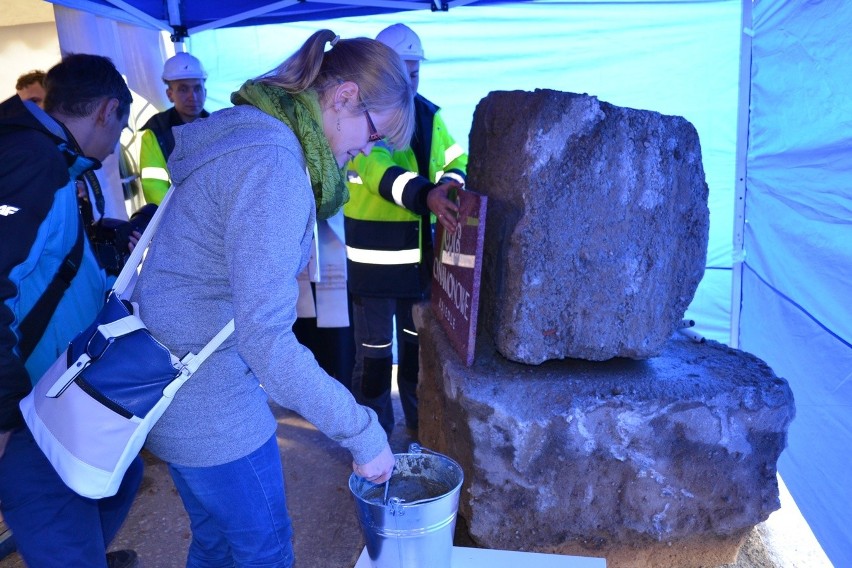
pixel 335 40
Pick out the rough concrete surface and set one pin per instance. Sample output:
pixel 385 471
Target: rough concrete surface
pixel 659 460
pixel 597 225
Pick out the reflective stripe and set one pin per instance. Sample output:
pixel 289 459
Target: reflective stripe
pixel 409 332
pixel 353 177
pixel 399 186
pixel 366 256
pixel 452 153
pixel 385 346
pixel 152 172
pixel 453 176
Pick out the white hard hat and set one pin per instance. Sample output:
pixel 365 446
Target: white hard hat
pixel 403 40
pixel 183 66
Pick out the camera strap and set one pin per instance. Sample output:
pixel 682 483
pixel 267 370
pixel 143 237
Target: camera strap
pixel 92 179
pixel 32 327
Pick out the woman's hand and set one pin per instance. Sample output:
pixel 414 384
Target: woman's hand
pixel 377 470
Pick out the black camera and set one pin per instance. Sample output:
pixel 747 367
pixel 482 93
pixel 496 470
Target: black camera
pixel 110 238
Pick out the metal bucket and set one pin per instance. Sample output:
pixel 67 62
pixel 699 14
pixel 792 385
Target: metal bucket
pixel 410 523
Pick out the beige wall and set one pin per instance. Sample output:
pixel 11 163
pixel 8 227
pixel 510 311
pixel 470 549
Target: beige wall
pixel 28 41
pixel 25 46
pixel 25 12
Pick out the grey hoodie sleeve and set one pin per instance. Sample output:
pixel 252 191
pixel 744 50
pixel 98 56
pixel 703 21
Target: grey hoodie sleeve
pixel 268 232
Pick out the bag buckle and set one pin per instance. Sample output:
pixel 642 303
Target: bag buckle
pixel 68 376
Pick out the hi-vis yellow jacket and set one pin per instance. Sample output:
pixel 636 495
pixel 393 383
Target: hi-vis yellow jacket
pixel 387 222
pixel 153 171
pixel 158 141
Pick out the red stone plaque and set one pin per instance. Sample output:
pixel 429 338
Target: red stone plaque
pixel 456 273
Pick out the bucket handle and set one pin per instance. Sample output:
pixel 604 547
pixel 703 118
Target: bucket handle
pixel 415 448
pixel 395 507
pixel 395 504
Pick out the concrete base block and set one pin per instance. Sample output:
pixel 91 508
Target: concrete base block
pixel 624 459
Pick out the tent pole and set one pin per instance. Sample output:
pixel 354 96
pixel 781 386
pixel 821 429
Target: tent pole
pixel 738 252
pixel 179 32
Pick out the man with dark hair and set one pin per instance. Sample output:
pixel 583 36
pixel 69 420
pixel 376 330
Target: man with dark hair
pixel 51 287
pixel 30 87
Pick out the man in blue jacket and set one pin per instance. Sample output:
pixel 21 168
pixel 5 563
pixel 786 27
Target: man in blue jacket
pixel 51 287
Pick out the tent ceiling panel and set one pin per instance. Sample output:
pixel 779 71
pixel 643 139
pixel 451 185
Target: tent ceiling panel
pixel 193 16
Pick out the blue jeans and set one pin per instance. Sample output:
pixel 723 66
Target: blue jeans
pixel 52 525
pixel 237 511
pixel 373 321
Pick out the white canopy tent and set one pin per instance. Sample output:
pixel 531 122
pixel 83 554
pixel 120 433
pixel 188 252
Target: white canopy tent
pixel 773 118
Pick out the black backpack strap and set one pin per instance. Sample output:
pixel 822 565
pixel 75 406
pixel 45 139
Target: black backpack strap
pixel 35 322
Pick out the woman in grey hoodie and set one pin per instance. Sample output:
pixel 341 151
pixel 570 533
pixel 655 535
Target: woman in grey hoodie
pixel 249 182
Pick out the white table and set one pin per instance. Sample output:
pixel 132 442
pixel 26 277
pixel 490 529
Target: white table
pixel 484 558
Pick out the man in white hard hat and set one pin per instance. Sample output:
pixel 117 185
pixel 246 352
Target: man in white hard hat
pixel 184 77
pixel 395 197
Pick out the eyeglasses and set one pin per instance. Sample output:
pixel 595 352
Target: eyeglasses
pixel 374 134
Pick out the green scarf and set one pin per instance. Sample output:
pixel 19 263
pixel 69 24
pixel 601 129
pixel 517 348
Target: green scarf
pixel 301 112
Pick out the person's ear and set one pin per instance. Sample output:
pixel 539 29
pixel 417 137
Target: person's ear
pixel 346 95
pixel 107 109
pixel 170 94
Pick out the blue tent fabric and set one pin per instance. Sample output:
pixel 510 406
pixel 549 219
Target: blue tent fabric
pixel 189 15
pixel 677 57
pixel 797 277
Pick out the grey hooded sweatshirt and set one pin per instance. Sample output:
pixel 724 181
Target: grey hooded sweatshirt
pixel 236 233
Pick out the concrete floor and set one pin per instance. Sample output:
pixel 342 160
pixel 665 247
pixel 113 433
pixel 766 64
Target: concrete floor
pixel 325 525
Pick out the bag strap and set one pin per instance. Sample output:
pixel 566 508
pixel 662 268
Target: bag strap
pixel 120 288
pixel 132 323
pixel 34 324
pixel 193 361
pixel 128 272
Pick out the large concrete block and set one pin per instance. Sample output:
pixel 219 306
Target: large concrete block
pixel 597 225
pixel 661 462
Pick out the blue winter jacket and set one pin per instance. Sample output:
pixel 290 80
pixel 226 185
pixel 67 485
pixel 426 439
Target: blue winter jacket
pixel 38 227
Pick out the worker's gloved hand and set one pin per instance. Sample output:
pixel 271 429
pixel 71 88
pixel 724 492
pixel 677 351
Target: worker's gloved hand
pixel 377 470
